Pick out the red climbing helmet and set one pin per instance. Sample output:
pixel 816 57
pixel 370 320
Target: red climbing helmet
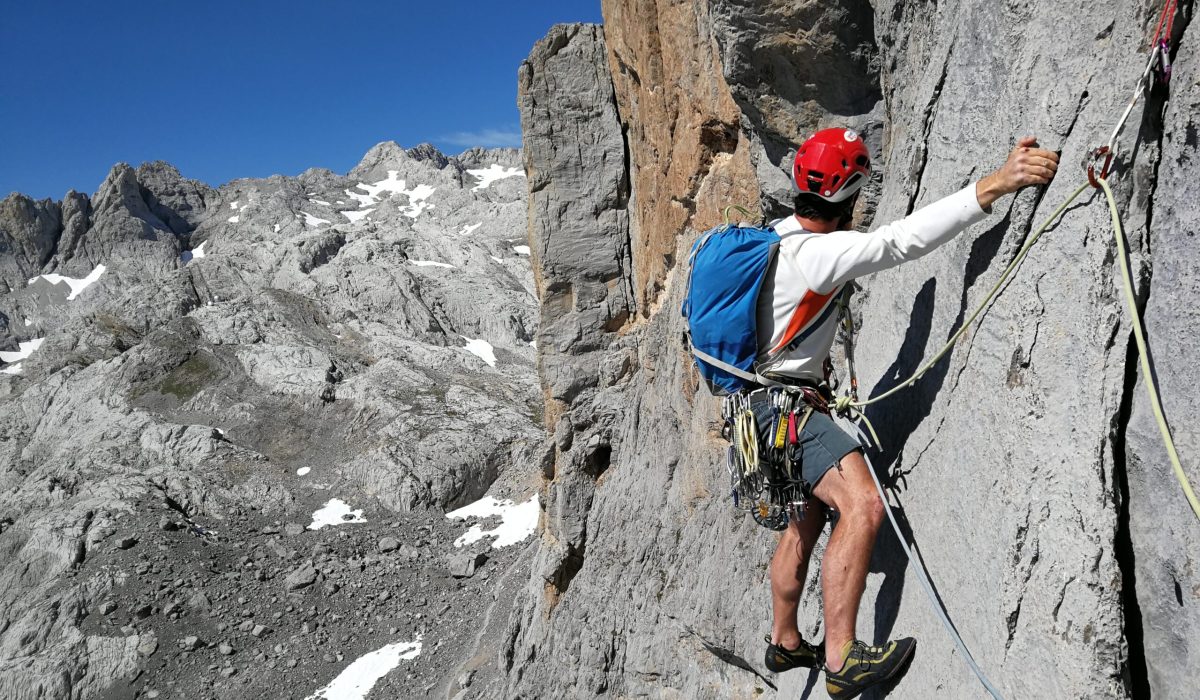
pixel 832 164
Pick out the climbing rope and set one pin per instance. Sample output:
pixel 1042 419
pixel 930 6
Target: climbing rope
pixel 923 576
pixel 1148 376
pixel 848 403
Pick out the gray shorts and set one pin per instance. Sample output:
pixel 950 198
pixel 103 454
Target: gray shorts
pixel 822 442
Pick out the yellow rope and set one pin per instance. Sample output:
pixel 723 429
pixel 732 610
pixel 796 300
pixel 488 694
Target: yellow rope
pixel 735 207
pixel 1148 377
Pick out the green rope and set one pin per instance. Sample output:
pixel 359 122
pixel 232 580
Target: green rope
pixel 844 403
pixel 1148 377
pixel 737 207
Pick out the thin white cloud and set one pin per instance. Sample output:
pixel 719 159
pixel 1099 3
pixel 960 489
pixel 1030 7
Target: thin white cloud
pixel 485 138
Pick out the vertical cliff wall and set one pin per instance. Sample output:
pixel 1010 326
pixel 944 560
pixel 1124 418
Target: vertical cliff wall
pixel 1024 466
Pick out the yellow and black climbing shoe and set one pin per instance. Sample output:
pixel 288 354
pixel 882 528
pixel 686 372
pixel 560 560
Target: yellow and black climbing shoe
pixel 780 659
pixel 866 666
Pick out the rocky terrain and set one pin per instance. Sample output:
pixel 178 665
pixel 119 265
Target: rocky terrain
pixel 231 420
pixel 1025 467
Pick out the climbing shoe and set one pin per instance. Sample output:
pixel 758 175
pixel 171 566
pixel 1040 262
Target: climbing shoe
pixel 780 659
pixel 868 666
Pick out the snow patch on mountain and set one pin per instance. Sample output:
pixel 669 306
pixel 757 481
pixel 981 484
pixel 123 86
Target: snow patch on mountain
pixel 311 220
pixel 418 196
pixel 77 285
pixel 492 173
pixel 518 521
pixel 24 350
pixel 357 215
pixel 481 349
pixel 336 512
pixel 189 255
pixel 361 676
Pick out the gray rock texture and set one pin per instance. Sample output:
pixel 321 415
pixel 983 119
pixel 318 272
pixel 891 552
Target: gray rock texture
pixel 27 239
pixel 224 468
pixel 1024 467
pixel 1165 545
pixel 246 355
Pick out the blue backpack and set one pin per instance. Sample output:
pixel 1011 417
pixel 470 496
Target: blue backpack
pixel 728 266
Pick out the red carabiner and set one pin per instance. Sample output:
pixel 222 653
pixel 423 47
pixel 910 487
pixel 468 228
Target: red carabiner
pixel 1103 152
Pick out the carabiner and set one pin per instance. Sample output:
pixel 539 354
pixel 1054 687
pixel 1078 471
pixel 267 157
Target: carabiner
pixel 1090 163
pixel 1162 72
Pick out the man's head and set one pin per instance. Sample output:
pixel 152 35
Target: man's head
pixel 830 168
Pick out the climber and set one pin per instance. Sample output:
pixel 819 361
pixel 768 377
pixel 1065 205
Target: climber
pixel 798 327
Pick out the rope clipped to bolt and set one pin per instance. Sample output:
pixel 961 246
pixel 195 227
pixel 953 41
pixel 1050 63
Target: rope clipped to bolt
pixel 1097 166
pixel 1100 160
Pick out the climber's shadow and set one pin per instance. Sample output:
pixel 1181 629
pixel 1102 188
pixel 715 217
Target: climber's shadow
pixel 814 674
pixel 897 418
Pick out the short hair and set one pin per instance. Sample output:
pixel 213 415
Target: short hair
pixel 810 206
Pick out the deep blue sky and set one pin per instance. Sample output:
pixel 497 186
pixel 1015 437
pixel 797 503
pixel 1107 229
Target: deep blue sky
pixel 228 89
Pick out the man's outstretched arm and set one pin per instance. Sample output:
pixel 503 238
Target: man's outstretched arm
pixel 831 259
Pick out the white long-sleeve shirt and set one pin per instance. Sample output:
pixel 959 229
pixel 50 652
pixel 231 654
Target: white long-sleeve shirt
pixel 797 313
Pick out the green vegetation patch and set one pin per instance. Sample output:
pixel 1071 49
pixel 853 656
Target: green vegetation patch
pixel 186 380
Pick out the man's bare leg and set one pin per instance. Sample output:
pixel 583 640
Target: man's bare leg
pixel 850 490
pixel 789 569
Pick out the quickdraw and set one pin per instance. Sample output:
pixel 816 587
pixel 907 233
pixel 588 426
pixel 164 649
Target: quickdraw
pixel 1099 161
pixel 765 473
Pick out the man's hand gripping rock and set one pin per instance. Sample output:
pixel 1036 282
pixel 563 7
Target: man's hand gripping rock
pixel 1026 165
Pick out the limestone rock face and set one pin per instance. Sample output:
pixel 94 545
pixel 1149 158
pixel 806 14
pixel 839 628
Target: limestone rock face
pixel 675 107
pixel 578 208
pixel 202 362
pixel 174 199
pixel 28 231
pixel 1024 467
pixel 1163 542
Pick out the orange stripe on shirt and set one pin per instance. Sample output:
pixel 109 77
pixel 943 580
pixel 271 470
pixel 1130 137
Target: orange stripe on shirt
pixel 810 307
